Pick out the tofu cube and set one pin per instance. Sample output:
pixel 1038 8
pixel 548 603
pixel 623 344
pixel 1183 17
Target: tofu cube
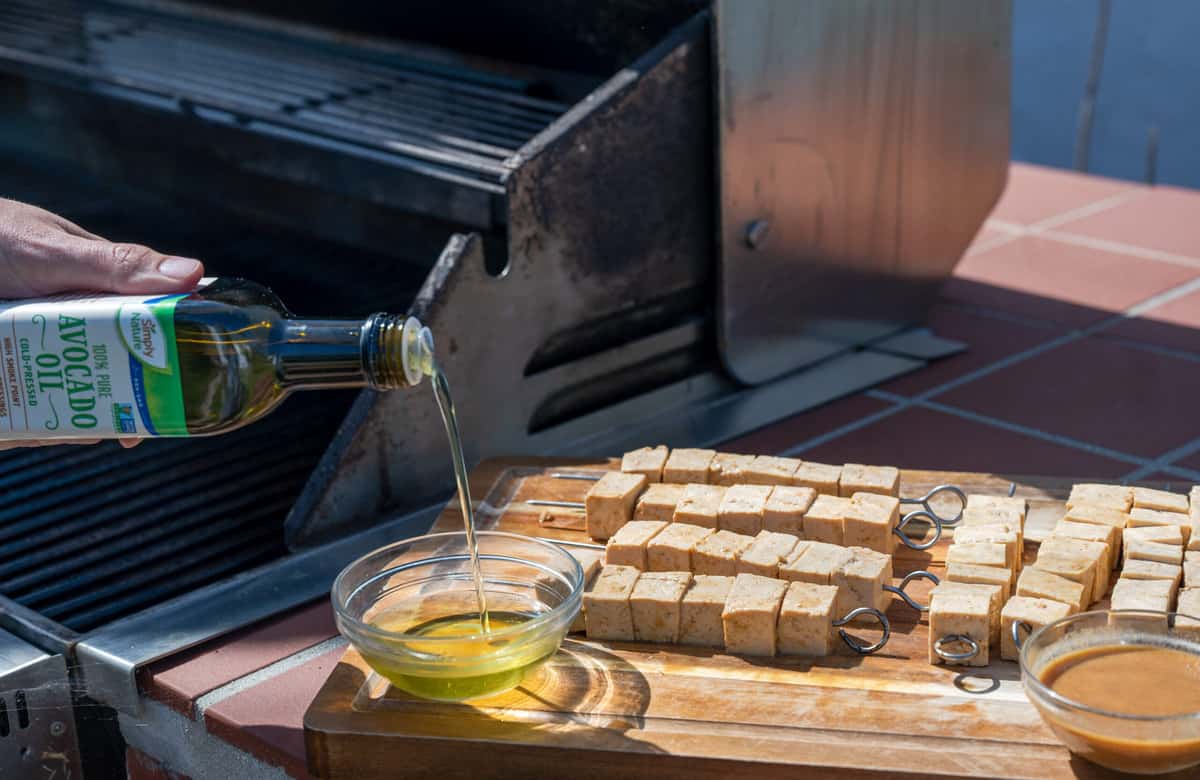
pixel 1092 533
pixel 1140 517
pixel 1149 498
pixel 1152 570
pixel 627 547
pixel 688 466
pixel 1039 584
pixel 645 460
pixel 609 503
pixel 606 609
pixel 1007 504
pixel 766 553
pixel 825 520
pixel 857 478
pixel 729 469
pixel 960 614
pixel 742 508
pixel 860 581
pixel 1193 542
pixel 784 512
pixel 770 470
pixel 1153 595
pixel 1034 613
pixel 994 533
pixel 806 620
pixel 658 502
pixel 750 614
pixel 699 505
pixel 1092 551
pixel 1112 496
pixel 971 574
pixel 1073 567
pixel 655 603
pixel 1163 534
pixel 700 612
pixel 821 477
pixel 1097 515
pixel 591 561
pixel 1153 551
pixel 1191 574
pixel 995 515
pixel 672 548
pixel 814 562
pixel 1187 622
pixel 869 521
pixel 993 593
pixel 978 554
pixel 719 553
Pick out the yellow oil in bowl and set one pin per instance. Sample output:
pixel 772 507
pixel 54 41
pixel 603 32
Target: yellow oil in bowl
pixel 411 610
pixel 459 661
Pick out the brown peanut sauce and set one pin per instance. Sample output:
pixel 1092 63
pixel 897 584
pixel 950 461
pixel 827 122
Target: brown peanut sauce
pixel 1129 679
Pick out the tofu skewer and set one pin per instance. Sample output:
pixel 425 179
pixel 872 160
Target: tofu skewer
pixel 700 466
pixel 867 519
pixel 745 615
pixel 864 575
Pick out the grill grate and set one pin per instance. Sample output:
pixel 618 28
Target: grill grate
pixel 90 536
pixel 458 122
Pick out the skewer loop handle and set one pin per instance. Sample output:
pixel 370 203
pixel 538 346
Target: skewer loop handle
pixel 934 520
pixel 926 504
pixel 948 655
pixel 919 574
pixel 857 645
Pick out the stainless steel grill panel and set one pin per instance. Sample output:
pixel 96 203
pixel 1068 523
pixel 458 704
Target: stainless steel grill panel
pixel 462 122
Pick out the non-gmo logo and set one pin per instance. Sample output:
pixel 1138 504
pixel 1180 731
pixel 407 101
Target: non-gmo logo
pixel 123 420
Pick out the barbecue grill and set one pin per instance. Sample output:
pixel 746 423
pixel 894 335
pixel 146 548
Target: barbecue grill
pixel 543 184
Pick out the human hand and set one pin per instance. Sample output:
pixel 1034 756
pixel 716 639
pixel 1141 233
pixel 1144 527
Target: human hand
pixel 41 254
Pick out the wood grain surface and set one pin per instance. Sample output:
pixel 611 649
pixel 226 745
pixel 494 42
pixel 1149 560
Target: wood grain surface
pixel 623 709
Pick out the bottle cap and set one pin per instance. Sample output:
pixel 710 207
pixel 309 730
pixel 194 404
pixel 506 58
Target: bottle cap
pixel 417 354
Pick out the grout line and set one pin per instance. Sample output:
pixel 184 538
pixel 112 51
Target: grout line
pixel 1179 471
pixel 1154 301
pixel 1096 207
pixel 861 422
pixel 1008 227
pixel 1105 245
pixel 268 672
pixel 990 244
pixel 1165 462
pixel 1155 349
pixel 1026 430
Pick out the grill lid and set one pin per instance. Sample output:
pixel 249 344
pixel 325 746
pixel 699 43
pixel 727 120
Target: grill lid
pixel 445 121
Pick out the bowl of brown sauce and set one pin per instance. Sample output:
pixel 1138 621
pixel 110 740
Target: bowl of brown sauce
pixel 1119 688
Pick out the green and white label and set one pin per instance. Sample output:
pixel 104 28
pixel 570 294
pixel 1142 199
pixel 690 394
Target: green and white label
pixel 86 367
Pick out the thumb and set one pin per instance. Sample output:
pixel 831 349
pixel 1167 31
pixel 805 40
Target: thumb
pixel 91 264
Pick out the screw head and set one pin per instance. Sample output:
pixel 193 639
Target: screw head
pixel 57 728
pixel 756 233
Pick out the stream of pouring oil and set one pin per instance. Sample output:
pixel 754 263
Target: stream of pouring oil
pixel 441 391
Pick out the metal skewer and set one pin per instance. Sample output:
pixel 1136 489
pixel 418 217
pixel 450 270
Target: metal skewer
pixel 925 502
pixel 897 529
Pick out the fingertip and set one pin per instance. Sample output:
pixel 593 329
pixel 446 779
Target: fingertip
pixel 183 271
pixel 129 443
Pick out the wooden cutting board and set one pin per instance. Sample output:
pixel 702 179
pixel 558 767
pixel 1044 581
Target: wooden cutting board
pixel 623 709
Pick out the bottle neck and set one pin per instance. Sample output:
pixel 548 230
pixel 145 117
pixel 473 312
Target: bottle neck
pixel 384 352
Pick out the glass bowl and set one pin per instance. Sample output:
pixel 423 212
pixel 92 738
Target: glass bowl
pixel 1140 744
pixel 410 609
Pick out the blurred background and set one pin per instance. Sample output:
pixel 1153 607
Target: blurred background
pixel 1106 86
